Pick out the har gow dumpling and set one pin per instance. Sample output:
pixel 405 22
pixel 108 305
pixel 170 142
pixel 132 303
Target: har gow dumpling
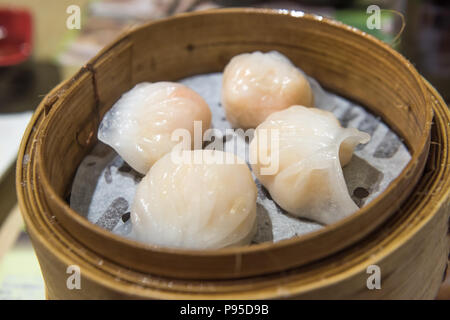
pixel 139 126
pixel 257 84
pixel 197 205
pixel 310 149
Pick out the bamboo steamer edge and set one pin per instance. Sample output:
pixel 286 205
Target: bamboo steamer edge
pixel 411 250
pixel 118 67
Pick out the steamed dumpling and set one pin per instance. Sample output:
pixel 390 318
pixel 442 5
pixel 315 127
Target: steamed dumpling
pixel 140 124
pixel 306 177
pixel 257 84
pixel 196 205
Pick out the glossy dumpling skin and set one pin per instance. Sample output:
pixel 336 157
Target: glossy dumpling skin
pixel 257 84
pixel 140 124
pixel 195 206
pixel 312 148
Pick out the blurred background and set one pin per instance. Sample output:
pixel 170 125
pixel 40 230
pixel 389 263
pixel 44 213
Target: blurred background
pixel 39 48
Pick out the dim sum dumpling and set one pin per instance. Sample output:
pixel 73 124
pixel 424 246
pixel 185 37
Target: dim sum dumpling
pixel 257 84
pixel 140 124
pixel 204 205
pixel 310 149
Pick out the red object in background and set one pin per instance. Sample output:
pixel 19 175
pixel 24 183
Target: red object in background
pixel 16 28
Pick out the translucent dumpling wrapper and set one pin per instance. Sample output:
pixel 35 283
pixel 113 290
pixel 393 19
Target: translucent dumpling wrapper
pixel 298 154
pixel 140 124
pixel 257 84
pixel 203 203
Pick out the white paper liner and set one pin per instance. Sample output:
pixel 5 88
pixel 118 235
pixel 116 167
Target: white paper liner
pixel 104 185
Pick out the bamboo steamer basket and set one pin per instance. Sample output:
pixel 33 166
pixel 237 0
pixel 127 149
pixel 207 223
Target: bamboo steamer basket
pixel 403 231
pixel 204 42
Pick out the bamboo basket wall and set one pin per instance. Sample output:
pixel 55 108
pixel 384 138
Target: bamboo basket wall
pixel 403 231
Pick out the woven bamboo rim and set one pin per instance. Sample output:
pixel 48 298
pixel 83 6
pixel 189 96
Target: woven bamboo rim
pixel 232 262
